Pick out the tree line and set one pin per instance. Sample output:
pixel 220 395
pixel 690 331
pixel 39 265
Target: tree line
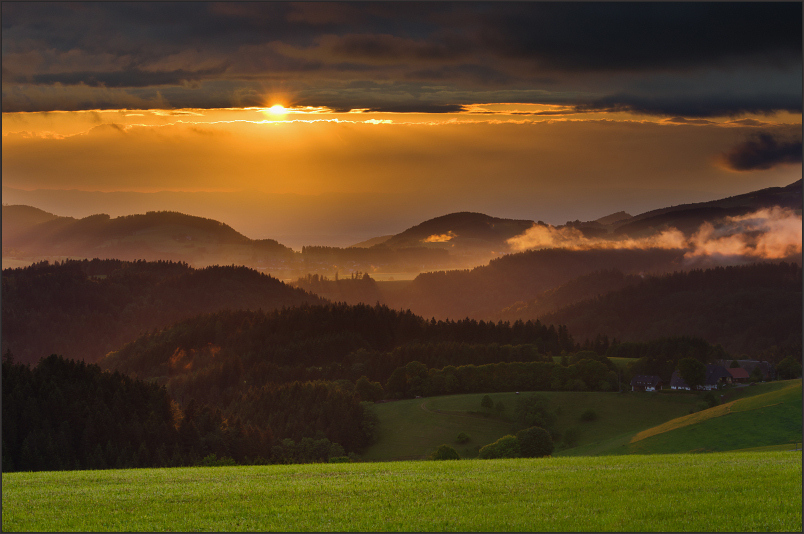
pixel 64 414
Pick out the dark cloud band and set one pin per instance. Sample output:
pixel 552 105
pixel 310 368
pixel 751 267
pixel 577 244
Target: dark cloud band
pixel 763 151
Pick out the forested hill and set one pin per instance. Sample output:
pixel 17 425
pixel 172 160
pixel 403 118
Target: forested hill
pixel 483 291
pixel 84 309
pixel 462 229
pixel 210 357
pixel 754 310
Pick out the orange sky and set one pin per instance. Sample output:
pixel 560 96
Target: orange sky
pixel 507 160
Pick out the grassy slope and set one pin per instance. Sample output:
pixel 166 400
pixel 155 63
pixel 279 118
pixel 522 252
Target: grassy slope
pixel 665 493
pixel 412 429
pixel 767 419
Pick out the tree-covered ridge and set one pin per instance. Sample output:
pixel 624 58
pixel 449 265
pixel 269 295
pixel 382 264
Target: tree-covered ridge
pixel 84 309
pixel 211 357
pixel 483 291
pixel 753 309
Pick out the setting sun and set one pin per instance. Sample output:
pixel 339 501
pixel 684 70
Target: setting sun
pixel 278 109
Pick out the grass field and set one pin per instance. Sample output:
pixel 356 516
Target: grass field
pixel 769 418
pixel 734 492
pixel 413 429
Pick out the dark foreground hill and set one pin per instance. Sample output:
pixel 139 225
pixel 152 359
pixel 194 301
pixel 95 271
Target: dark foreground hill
pixel 84 309
pixel 754 310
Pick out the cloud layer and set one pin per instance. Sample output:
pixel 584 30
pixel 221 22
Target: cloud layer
pixel 690 59
pixel 773 233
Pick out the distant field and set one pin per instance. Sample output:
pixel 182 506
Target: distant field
pixel 733 492
pixel 412 429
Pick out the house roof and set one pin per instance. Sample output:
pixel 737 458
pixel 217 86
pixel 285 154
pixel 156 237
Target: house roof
pixel 676 381
pixel 645 380
pixel 738 372
pixel 714 373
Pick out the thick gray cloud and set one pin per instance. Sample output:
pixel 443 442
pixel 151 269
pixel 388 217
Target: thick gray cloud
pixel 763 151
pixel 743 57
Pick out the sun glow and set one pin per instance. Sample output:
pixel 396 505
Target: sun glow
pixel 277 109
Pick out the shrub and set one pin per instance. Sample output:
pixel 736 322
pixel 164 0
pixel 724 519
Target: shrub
pixel 339 460
pixel 534 442
pixel 486 402
pixel 589 415
pixel 445 452
pixel 505 447
pixel 500 407
pixel 463 437
pixel 212 460
pixel 710 399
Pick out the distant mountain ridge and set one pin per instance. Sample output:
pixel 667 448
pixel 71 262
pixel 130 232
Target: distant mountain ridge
pixel 455 240
pixel 155 235
pixel 688 217
pixel 462 228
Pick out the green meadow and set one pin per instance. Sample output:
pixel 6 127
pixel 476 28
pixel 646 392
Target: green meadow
pixel 739 491
pixel 413 429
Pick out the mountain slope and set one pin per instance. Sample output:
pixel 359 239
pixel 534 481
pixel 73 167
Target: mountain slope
pixel 483 291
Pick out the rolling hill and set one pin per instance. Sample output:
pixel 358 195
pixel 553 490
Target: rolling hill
pixel 84 309
pixel 753 309
pixel 626 423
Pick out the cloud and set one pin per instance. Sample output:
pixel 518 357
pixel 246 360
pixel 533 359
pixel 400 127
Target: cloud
pixel 128 78
pixel 763 151
pixel 577 53
pixel 772 233
pixel 698 106
pixel 440 238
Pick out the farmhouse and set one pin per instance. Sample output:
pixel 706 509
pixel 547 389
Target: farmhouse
pixel 716 375
pixel 676 382
pixel 646 383
pixel 738 374
pixel 766 369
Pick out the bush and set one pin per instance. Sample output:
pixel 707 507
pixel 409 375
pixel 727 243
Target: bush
pixel 534 442
pixel 710 399
pixel 505 447
pixel 339 460
pixel 462 438
pixel 212 460
pixel 445 452
pixel 589 415
pixel 486 402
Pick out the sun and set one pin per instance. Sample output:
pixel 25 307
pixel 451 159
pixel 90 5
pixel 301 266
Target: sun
pixel 278 109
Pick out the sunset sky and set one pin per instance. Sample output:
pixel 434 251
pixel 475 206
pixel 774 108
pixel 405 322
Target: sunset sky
pixel 330 123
